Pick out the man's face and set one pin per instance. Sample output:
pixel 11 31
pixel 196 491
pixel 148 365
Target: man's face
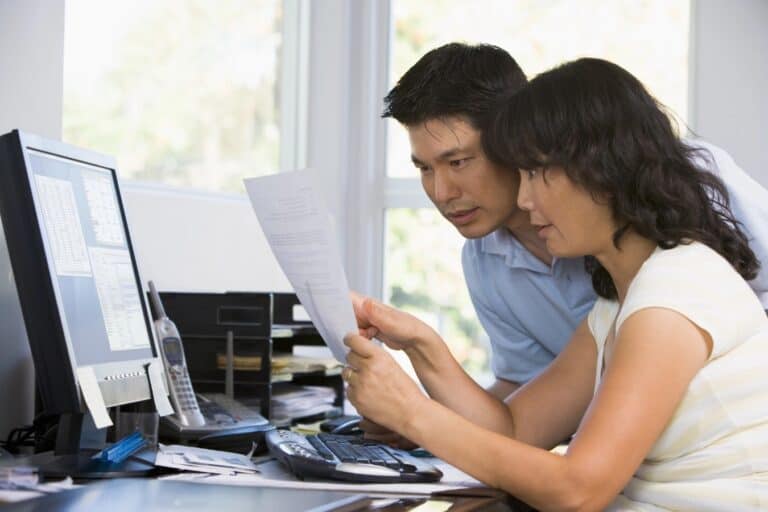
pixel 474 194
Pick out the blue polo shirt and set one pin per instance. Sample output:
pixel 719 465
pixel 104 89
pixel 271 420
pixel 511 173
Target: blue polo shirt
pixel 529 309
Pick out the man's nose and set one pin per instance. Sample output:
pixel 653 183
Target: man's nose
pixel 445 188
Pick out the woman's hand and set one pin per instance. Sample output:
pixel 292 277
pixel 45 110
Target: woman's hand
pixel 376 385
pixel 398 330
pixel 376 432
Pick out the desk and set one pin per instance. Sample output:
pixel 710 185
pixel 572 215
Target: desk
pixel 146 495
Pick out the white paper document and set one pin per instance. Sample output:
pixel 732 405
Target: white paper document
pixel 201 460
pixel 297 225
pixel 159 392
pixel 273 474
pixel 89 387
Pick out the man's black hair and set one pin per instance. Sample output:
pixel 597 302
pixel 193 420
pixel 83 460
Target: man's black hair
pixel 456 79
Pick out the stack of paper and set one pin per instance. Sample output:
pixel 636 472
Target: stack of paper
pixel 292 402
pixel 290 364
pixel 200 460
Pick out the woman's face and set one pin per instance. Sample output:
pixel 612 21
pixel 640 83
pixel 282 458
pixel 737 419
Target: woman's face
pixel 565 215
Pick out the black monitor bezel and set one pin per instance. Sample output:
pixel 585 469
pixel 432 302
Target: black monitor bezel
pixel 52 351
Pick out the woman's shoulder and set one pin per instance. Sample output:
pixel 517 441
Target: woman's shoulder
pixel 701 285
pixel 693 264
pixel 688 272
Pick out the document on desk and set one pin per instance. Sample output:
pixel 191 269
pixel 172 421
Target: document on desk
pixel 273 474
pixel 202 460
pixel 297 225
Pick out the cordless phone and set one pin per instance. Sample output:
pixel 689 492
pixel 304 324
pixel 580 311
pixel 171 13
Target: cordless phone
pixel 169 343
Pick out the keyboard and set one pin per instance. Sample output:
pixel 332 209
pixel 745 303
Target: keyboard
pixel 350 458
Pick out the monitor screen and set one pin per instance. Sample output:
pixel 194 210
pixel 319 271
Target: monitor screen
pixel 89 259
pixel 75 271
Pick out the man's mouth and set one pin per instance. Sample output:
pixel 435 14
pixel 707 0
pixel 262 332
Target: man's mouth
pixel 461 217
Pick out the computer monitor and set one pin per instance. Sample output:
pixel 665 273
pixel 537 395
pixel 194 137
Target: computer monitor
pixel 76 277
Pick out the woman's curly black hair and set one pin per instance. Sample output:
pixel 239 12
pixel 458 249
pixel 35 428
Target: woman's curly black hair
pixel 596 121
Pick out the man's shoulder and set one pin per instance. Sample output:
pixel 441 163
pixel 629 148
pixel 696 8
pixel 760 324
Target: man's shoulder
pixel 709 156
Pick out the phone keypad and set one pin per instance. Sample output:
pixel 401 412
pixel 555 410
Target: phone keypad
pixel 184 392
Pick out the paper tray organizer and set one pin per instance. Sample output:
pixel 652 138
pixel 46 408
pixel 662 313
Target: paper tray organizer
pixel 230 340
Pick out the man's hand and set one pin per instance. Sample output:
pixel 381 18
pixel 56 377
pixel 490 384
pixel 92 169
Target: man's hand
pixel 376 432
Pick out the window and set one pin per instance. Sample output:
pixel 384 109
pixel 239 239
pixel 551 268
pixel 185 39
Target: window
pixel 422 257
pixel 184 92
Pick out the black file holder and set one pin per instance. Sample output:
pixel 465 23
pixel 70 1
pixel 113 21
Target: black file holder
pixel 232 324
pixel 237 324
pixel 303 332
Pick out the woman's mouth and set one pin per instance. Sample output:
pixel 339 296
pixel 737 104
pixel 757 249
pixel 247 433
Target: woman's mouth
pixel 542 230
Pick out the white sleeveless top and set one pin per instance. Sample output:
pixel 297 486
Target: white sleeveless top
pixel 713 455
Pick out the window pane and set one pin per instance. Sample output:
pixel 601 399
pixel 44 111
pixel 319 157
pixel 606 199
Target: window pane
pixel 423 276
pixel 182 91
pixel 648 38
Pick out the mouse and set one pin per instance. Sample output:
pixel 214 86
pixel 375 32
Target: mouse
pixel 343 425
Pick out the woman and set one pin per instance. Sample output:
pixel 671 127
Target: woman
pixel 662 385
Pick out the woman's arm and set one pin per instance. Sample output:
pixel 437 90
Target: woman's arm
pixel 656 355
pixel 438 371
pixel 447 382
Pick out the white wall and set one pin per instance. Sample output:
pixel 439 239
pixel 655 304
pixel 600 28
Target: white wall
pixel 729 79
pixel 194 241
pixel 31 64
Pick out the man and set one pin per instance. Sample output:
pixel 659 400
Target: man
pixel 528 302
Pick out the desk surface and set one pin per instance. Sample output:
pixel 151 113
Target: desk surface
pixel 124 495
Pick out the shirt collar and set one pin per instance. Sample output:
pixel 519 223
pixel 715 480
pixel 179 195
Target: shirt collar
pixel 503 243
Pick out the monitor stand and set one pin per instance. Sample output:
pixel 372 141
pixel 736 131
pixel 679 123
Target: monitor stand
pixel 78 440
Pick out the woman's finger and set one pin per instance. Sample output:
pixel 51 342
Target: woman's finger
pixel 360 345
pixel 355 361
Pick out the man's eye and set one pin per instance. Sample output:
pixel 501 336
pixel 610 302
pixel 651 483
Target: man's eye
pixel 459 163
